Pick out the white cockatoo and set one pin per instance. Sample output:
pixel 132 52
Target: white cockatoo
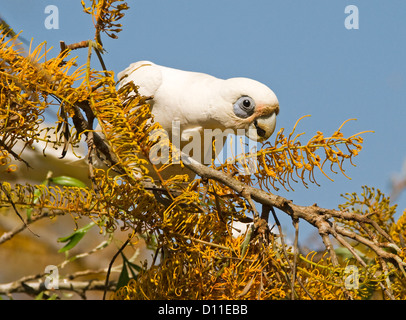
pixel 204 106
pixel 194 101
pixel 200 101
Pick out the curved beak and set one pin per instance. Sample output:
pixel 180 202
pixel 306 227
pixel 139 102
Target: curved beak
pixel 262 127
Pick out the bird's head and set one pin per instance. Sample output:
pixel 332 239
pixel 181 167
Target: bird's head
pixel 251 105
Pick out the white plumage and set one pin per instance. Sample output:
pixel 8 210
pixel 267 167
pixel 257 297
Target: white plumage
pixel 200 101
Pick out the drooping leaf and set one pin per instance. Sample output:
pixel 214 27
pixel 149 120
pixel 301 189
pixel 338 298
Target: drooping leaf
pixel 74 238
pixel 67 181
pixel 124 277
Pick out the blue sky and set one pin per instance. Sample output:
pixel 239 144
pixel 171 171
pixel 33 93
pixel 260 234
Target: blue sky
pixel 301 49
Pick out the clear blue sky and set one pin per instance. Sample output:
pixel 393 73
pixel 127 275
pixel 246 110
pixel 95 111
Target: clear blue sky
pixel 301 49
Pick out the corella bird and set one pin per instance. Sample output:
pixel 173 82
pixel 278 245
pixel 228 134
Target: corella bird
pixel 203 106
pixel 200 101
pixel 195 102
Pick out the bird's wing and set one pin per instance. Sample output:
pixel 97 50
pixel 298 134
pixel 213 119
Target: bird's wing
pixel 144 74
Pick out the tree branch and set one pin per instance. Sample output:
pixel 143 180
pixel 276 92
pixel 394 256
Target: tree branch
pixel 316 216
pixel 36 287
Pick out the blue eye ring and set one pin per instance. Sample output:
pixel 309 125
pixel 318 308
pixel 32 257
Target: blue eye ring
pixel 244 107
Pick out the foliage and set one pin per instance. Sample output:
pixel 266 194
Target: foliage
pixel 188 225
pixel 288 157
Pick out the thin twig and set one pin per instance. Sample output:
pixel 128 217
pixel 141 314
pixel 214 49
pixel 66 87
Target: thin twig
pixel 15 209
pixel 35 288
pixel 278 224
pixel 111 265
pixel 295 254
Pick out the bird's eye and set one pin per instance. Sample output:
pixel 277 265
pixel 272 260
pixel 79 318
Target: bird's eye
pixel 246 103
pixel 244 107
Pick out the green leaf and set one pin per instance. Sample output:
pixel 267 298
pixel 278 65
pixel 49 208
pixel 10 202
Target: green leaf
pixel 245 244
pixel 124 277
pixel 133 268
pixel 40 296
pixel 346 254
pixel 67 181
pixel 73 239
